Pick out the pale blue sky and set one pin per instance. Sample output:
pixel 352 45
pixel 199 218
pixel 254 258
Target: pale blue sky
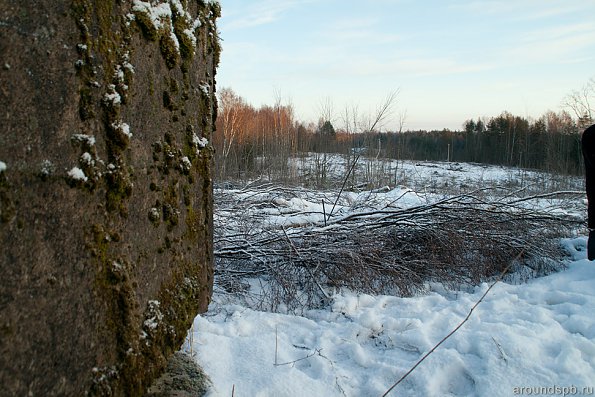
pixel 451 60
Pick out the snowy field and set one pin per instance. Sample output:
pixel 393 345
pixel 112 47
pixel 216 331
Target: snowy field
pixel 427 176
pixel 533 338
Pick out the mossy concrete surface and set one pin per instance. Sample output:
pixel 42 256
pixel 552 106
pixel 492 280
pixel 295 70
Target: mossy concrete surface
pixel 105 191
pixel 182 378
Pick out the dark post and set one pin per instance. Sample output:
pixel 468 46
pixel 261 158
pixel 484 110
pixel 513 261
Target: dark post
pixel 588 146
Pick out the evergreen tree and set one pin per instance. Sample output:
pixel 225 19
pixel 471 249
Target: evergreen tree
pixel 327 129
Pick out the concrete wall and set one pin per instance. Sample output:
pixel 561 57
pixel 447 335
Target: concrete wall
pixel 106 112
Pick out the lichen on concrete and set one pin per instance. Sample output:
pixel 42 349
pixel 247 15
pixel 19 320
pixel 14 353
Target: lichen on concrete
pixel 106 197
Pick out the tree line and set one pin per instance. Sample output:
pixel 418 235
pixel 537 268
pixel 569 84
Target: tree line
pixel 551 143
pixel 252 141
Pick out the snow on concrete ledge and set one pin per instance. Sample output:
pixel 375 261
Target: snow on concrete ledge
pixel 77 174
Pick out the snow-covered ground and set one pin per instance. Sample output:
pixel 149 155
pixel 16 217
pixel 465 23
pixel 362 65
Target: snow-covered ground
pixel 539 334
pixel 533 338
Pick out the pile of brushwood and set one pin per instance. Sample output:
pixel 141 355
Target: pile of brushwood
pixel 280 257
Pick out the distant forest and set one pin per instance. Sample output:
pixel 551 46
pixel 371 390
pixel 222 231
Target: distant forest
pixel 254 141
pixel 551 143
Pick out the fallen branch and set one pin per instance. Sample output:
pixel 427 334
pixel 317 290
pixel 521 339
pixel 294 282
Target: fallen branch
pixel 377 248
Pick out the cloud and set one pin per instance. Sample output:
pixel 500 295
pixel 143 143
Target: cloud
pixel 258 13
pixel 541 11
pixel 522 9
pixel 559 44
pixel 350 30
pixel 562 31
pixel 438 66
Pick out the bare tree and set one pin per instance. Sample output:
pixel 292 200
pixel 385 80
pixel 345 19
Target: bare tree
pixel 581 102
pixel 350 119
pixel 326 110
pixel 383 111
pixel 402 117
pixel 232 119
